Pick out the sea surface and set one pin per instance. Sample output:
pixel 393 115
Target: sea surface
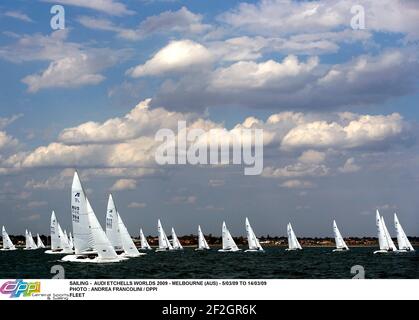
pixel 275 263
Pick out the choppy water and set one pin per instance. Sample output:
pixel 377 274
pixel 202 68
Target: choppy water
pixel 275 263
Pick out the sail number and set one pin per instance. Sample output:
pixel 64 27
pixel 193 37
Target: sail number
pixel 75 213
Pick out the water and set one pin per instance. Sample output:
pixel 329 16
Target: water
pixel 275 263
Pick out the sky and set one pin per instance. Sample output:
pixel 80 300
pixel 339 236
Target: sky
pixel 338 106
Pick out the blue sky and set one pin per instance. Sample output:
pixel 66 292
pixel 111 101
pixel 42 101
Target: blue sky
pixel 338 107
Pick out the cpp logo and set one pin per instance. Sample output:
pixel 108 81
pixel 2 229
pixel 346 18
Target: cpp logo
pixel 19 287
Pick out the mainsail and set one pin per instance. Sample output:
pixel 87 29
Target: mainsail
pixel 228 241
pixel 293 243
pixel 164 243
pixel 144 243
pixel 251 238
pixel 55 238
pixel 7 243
pixel 402 240
pixel 112 225
pixel 390 242
pixel 39 244
pixel 175 241
pixel 83 241
pixel 127 244
pixel 202 243
pixel 30 243
pixel 340 243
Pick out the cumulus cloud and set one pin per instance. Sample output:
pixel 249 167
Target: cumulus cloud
pixel 71 64
pixel 184 199
pixel 4 122
pixel 176 56
pixel 7 141
pixel 363 130
pixel 111 7
pixel 124 184
pixel 312 156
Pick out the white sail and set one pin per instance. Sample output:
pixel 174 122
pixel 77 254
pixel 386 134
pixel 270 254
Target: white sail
pixel 390 242
pixel 112 225
pixel 39 244
pixel 251 238
pixel 55 238
pixel 402 240
pixel 83 240
pixel 175 241
pixel 101 242
pixel 228 241
pixel 293 243
pixel 30 243
pixel 340 243
pixel 127 244
pixel 202 243
pixel 64 243
pixel 7 243
pixel 381 233
pixel 164 243
pixel 144 243
pixel 71 241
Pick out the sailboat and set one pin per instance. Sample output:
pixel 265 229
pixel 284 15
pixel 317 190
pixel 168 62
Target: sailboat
pixel 175 241
pixel 144 243
pixel 29 243
pixel 228 242
pixel 252 240
pixel 7 243
pixel 164 243
pixel 384 239
pixel 90 241
pixel 402 240
pixel 59 245
pixel 293 243
pixel 340 243
pixel 39 243
pixel 118 234
pixel 202 243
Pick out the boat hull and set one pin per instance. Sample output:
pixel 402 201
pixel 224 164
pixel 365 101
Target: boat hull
pixel 384 252
pixel 90 259
pixel 293 249
pixel 8 249
pixel 127 255
pixel 229 250
pixel 164 250
pixel 255 250
pixel 57 252
pixel 341 250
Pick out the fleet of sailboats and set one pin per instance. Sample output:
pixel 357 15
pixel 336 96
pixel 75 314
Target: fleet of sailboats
pixel 91 244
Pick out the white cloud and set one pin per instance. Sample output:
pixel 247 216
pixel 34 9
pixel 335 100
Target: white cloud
pixel 251 75
pixel 124 184
pixel 176 56
pixel 70 64
pixel 285 17
pixel 18 15
pixel 363 130
pixel 297 184
pixel 111 7
pixel 350 166
pixel 312 156
pixel 296 170
pixel 36 204
pixel 4 122
pixel 7 141
pixel 137 205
